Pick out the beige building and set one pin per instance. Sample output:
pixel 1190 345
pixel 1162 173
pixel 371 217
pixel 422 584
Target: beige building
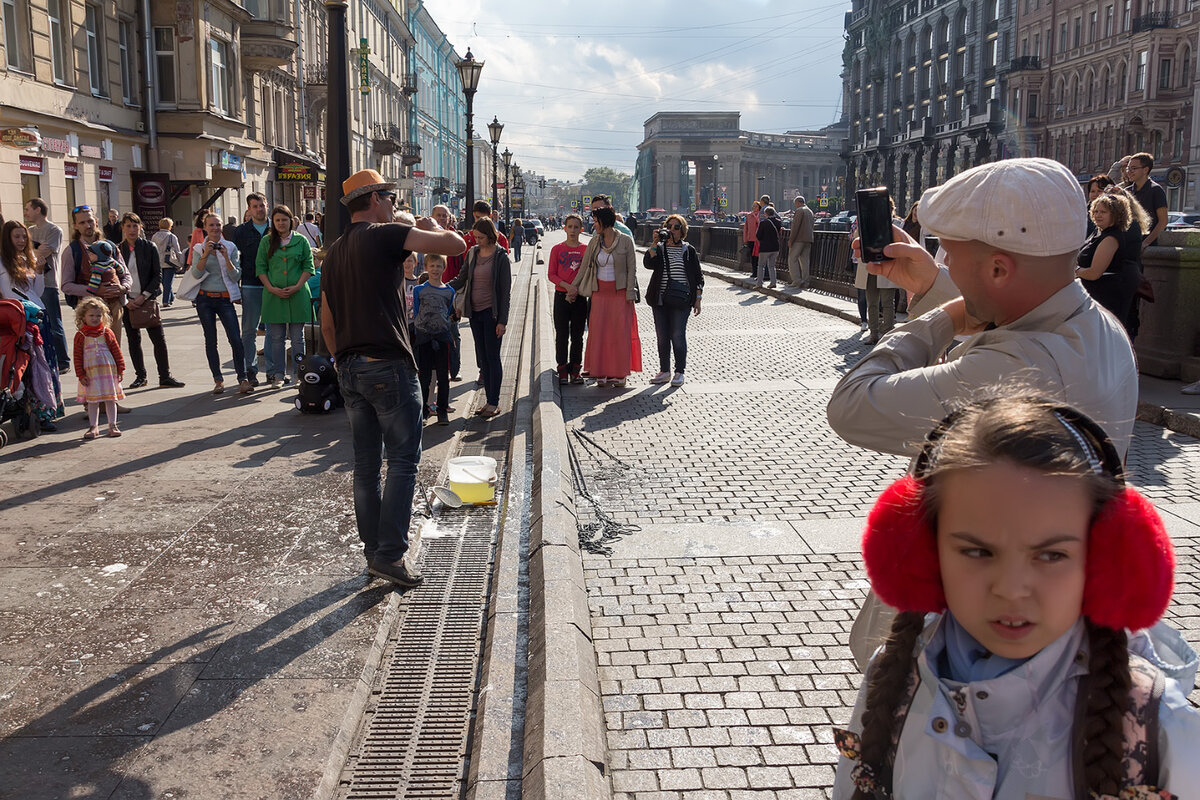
pixel 1092 80
pixel 196 106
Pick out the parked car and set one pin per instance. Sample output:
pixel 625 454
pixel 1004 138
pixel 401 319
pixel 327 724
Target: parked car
pixel 1181 219
pixel 531 231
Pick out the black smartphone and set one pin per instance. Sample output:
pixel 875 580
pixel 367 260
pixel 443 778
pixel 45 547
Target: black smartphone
pixel 874 222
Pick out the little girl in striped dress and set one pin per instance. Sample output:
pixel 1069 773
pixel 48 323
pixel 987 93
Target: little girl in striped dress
pixel 99 365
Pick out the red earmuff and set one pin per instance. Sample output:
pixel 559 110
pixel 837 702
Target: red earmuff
pixel 1130 561
pixel 1130 564
pixel 900 550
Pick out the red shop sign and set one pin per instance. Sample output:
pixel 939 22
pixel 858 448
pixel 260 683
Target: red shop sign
pixel 106 174
pixel 31 165
pixel 71 169
pixel 310 192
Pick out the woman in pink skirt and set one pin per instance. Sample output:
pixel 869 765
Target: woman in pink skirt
pixel 608 275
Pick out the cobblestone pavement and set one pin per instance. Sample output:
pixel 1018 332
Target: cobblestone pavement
pixel 721 625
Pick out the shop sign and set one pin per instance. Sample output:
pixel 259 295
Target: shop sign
pixel 32 165
pixel 294 171
pixel 228 160
pixel 309 192
pixel 418 173
pixel 106 174
pixel 90 151
pixel 71 169
pixel 55 145
pixel 151 192
pixel 364 66
pixel 20 138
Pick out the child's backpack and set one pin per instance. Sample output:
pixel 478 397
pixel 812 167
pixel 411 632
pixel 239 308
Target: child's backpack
pixel 432 323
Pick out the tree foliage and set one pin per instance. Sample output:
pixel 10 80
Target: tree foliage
pixel 606 180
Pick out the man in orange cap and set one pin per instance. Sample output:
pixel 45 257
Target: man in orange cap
pixel 365 325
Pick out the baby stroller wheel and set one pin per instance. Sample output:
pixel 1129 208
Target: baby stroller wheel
pixel 3 437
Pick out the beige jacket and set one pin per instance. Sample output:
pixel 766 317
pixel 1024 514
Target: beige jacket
pixel 802 226
pixel 1068 348
pixel 624 264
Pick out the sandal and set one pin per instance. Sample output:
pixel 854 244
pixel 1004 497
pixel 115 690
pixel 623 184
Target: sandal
pixel 219 387
pixel 92 433
pixel 487 412
pixel 113 431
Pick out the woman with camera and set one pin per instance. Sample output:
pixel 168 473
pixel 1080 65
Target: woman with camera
pixel 674 291
pixel 608 275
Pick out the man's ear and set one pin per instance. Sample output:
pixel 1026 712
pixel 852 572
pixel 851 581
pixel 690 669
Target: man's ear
pixel 1003 268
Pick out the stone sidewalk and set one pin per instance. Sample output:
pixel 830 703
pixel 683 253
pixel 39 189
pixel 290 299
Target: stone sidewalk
pixel 183 610
pixel 720 623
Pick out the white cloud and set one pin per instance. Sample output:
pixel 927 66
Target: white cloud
pixel 574 84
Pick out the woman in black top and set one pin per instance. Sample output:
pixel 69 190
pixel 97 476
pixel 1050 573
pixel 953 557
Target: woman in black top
pixel 768 244
pixel 1108 262
pixel 674 290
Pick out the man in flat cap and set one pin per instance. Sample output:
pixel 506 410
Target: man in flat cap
pixel 1011 231
pixel 365 326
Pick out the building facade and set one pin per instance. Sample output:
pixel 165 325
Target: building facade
pixel 1093 80
pixel 924 90
pixel 438 124
pixel 690 161
pixel 201 102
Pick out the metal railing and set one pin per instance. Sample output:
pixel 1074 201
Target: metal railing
pixel 1024 62
pixel 1148 22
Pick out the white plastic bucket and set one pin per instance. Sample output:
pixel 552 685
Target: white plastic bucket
pixel 473 478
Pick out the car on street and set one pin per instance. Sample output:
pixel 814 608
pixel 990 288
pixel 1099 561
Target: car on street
pixel 1181 219
pixel 531 231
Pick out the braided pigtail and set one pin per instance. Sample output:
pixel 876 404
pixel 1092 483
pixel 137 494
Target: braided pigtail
pixel 1109 684
pixel 888 677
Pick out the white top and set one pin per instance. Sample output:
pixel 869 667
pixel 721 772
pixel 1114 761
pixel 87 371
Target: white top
pixel 32 293
pixel 605 271
pixel 309 231
pixel 136 289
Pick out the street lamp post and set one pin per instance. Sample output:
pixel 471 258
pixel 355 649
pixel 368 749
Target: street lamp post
pixel 715 202
pixel 468 73
pixel 494 129
pixel 507 190
pixel 337 124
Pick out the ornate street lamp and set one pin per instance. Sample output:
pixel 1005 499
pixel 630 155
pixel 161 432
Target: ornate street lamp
pixel 715 203
pixel 507 190
pixel 337 121
pixel 468 73
pixel 494 129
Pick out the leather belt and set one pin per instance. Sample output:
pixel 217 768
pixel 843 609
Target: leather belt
pixel 203 293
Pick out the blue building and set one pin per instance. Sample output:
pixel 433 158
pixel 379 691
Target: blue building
pixel 439 120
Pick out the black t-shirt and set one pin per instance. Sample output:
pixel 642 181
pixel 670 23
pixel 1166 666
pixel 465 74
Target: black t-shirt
pixel 768 235
pixel 1128 248
pixel 361 282
pixel 1152 197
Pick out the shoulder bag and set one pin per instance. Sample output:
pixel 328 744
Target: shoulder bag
pixel 146 315
pixel 460 298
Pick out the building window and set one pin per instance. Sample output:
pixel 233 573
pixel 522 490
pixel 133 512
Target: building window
pixel 1164 73
pixel 1075 40
pixel 93 24
pixel 220 89
pixel 1108 21
pixel 16 34
pixel 1062 37
pixel 1139 78
pixel 1179 144
pixel 1037 45
pixel 125 45
pixel 1185 76
pixel 1033 106
pixel 1126 13
pixel 1092 18
pixel 1157 149
pixel 164 65
pixel 259 9
pixel 58 53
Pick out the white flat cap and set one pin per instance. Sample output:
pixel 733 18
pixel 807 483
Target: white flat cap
pixel 1031 206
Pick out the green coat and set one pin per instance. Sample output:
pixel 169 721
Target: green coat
pixel 284 269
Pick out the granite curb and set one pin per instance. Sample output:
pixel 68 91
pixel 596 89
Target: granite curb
pixel 565 752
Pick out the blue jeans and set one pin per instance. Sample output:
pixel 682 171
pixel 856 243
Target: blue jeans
pixel 168 282
pixel 670 326
pixel 455 349
pixel 54 325
pixel 515 241
pixel 487 353
pixel 209 309
pixel 251 315
pixel 274 352
pixel 383 403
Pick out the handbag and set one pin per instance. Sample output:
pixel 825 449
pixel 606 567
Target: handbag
pixel 189 286
pixel 676 295
pixel 1145 289
pixel 460 298
pixel 146 315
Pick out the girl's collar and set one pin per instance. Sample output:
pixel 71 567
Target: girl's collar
pixel 92 330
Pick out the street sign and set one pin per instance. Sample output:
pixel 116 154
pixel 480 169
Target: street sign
pixel 418 173
pixel 500 185
pixel 587 199
pixel 824 202
pixel 724 202
pixel 574 204
pixel 692 207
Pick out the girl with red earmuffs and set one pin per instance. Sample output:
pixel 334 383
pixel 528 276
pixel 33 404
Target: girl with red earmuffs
pixel 1027 658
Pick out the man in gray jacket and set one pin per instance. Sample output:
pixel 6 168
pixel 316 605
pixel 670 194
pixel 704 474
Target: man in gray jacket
pixel 800 241
pixel 1011 231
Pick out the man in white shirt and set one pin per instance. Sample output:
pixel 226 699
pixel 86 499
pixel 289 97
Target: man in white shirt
pixel 49 238
pixel 309 230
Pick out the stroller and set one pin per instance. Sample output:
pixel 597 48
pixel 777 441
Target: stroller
pixel 17 400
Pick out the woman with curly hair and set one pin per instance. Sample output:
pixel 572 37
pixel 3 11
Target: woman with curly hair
pixel 1108 260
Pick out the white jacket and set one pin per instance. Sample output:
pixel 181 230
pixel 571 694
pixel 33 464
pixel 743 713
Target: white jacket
pixel 231 278
pixel 1025 719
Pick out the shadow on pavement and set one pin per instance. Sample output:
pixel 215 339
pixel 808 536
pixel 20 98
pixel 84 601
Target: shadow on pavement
pixel 105 715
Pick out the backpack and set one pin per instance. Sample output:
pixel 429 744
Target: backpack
pixel 432 323
pixel 76 249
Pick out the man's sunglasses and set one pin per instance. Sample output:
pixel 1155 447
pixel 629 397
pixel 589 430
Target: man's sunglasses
pixel 391 196
pixel 77 209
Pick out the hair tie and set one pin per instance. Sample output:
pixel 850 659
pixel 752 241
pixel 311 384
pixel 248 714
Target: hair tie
pixel 1093 459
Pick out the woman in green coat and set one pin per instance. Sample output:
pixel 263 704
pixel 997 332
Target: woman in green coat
pixel 284 265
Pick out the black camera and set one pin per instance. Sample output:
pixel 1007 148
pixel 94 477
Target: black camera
pixel 664 235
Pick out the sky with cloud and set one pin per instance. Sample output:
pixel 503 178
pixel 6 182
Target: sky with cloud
pixel 573 82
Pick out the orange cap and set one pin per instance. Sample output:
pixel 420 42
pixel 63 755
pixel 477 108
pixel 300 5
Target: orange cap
pixel 363 182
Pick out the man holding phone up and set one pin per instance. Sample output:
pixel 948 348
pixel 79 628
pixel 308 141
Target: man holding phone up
pixel 1011 231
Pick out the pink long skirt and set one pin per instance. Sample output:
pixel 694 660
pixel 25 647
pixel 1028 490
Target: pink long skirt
pixel 613 346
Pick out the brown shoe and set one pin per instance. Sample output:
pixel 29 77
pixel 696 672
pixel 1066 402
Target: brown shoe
pixel 244 387
pixel 398 572
pixel 219 387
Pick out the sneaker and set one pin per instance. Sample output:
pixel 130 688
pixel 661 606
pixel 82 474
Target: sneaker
pixel 443 418
pixel 576 378
pixel 661 377
pixel 169 383
pixel 1191 388
pixel 245 387
pixel 864 327
pixel 456 378
pixel 63 369
pixel 253 378
pixel 274 382
pixel 771 285
pixel 286 380
pixel 677 380
pixel 138 382
pixel 398 572
pixel 564 377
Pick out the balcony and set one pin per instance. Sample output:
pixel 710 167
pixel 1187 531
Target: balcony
pixel 1148 22
pixel 267 44
pixel 316 75
pixel 1024 62
pixel 388 139
pixel 410 153
pixel 408 83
